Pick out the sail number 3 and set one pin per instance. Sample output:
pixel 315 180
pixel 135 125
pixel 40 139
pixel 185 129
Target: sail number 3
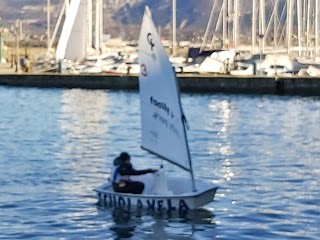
pixel 143 70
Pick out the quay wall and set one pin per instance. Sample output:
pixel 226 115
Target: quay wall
pixel 188 83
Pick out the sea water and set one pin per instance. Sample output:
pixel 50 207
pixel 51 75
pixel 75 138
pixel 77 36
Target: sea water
pixel 57 145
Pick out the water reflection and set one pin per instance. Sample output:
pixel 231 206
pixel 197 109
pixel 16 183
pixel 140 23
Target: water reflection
pixel 84 123
pixel 83 114
pixel 221 120
pixel 193 224
pixel 123 226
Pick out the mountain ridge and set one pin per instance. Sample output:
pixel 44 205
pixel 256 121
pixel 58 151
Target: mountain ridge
pixel 191 15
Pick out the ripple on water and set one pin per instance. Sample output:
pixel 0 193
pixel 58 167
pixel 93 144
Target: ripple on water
pixel 57 145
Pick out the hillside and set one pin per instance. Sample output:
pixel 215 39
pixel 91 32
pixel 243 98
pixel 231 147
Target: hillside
pixel 192 16
pixel 124 17
pixel 189 12
pixel 31 12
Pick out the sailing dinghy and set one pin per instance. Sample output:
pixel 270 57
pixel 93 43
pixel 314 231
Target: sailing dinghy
pixel 163 134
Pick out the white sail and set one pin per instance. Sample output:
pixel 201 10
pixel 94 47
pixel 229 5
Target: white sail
pixel 162 126
pixel 163 133
pixel 72 41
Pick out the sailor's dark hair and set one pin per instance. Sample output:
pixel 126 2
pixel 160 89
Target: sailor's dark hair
pixel 124 156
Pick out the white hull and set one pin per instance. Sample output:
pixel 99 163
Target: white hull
pixel 313 71
pixel 178 198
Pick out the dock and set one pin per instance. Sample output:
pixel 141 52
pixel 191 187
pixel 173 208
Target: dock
pixel 191 83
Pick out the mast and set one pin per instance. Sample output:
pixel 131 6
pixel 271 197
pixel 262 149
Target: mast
pixel 96 27
pixel 224 22
pixel 48 24
pixel 289 25
pixel 260 33
pixel 229 12
pixel 218 24
pixel 184 122
pixel 174 27
pixel 262 22
pixel 254 26
pixel 235 23
pixel 89 24
pixel 275 25
pixel 57 25
pixel 189 157
pixel 1 41
pixel 101 24
pixel 67 3
pixel 299 26
pixel 308 25
pixel 316 25
pixel 304 24
pixel 208 28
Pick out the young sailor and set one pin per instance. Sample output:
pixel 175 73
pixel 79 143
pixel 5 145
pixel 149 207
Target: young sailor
pixel 115 165
pixel 120 177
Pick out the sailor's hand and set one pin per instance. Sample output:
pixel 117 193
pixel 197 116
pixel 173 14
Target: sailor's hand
pixel 152 170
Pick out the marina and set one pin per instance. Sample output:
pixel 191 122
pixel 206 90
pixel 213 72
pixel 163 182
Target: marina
pixel 277 38
pixel 226 130
pixel 188 83
pixel 278 55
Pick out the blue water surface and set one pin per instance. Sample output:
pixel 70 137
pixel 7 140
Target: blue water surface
pixel 56 145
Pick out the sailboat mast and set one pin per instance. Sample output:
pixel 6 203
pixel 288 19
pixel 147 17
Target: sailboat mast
pixel 289 25
pixel 235 23
pixel 308 26
pixel 48 24
pixel 208 28
pixel 184 121
pixel 254 26
pixel 101 23
pixel 174 25
pixel 57 25
pixel 263 23
pixel 299 26
pixel 89 24
pixel 67 2
pixel 218 24
pixel 224 23
pixel 229 12
pixel 188 150
pixel 275 23
pixel 97 27
pixel 316 25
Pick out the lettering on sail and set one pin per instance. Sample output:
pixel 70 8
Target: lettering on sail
pixel 161 106
pixel 164 115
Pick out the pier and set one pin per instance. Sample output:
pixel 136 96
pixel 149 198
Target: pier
pixel 188 83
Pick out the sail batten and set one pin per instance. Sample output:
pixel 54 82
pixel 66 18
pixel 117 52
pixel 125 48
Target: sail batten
pixel 163 131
